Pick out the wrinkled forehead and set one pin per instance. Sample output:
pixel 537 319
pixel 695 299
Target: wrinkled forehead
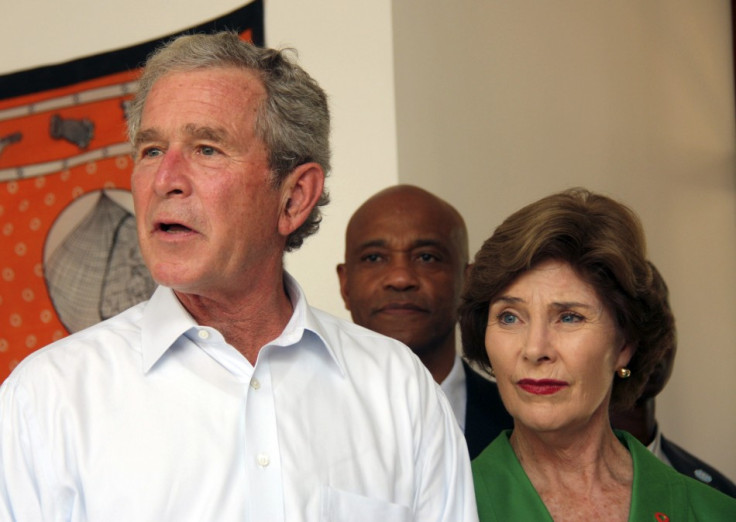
pixel 404 229
pixel 236 84
pixel 405 213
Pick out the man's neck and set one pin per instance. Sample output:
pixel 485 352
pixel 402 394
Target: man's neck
pixel 439 360
pixel 247 320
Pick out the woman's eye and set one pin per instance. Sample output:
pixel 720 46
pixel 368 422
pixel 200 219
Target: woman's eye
pixel 570 317
pixel 507 318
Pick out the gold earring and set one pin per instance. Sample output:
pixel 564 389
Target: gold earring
pixel 623 372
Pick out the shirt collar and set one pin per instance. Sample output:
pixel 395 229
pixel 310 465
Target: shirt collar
pixel 306 318
pixel 165 320
pixel 656 446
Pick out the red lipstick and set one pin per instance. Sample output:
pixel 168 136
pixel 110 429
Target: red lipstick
pixel 541 386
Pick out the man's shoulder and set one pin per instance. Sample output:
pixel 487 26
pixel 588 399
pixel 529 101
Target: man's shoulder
pixel 363 349
pixel 690 465
pixel 341 332
pixel 77 349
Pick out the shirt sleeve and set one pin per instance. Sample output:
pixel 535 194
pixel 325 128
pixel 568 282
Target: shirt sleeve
pixel 446 490
pixel 22 470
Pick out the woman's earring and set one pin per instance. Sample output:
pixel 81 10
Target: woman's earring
pixel 623 372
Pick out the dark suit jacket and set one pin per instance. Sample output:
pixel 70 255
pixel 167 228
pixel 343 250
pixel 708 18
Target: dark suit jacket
pixel 485 415
pixel 688 464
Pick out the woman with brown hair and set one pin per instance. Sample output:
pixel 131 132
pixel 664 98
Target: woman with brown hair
pixel 560 306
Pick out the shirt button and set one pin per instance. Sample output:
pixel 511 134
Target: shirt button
pixel 203 334
pixel 255 383
pixel 263 460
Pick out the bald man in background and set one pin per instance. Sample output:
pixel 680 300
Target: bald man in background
pixel 406 252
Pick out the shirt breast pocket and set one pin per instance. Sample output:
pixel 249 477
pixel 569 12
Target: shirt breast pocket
pixel 343 506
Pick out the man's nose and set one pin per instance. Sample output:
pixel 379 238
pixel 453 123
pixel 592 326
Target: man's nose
pixel 172 176
pixel 401 274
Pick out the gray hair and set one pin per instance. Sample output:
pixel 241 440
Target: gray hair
pixel 293 120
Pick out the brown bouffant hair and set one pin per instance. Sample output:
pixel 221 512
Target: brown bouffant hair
pixel 603 241
pixel 667 338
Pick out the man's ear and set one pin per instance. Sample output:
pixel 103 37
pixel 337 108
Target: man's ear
pixel 342 275
pixel 300 192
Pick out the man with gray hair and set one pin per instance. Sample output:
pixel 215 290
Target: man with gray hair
pixel 226 396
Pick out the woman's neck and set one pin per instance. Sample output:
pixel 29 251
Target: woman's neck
pixel 577 471
pixel 574 448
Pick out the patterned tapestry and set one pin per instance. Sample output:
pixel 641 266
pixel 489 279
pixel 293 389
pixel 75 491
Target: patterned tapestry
pixel 69 255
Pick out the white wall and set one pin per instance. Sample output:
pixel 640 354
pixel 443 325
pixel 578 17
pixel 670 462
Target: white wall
pixel 500 103
pixel 496 104
pixel 347 47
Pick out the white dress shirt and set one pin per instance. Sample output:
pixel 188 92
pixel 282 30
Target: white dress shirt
pixel 150 417
pixel 456 391
pixel 656 447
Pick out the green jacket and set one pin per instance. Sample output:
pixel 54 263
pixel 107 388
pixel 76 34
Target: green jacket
pixel 659 493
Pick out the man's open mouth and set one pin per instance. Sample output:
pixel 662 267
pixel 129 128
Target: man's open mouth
pixel 173 228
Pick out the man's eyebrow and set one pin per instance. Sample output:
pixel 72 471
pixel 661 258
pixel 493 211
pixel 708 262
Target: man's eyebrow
pixel 145 136
pixel 216 134
pixel 382 243
pixel 372 243
pixel 422 242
